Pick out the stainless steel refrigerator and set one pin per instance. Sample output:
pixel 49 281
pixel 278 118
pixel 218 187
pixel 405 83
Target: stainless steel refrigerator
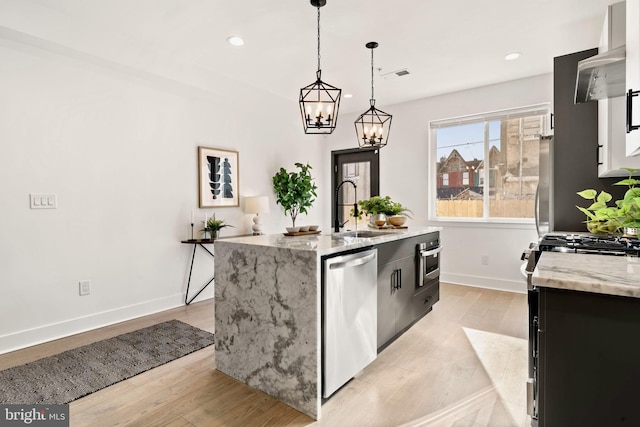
pixel 544 198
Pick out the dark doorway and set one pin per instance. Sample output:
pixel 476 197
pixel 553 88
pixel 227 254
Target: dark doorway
pixel 363 168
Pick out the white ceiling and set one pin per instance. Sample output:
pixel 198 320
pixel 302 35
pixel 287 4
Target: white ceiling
pixel 447 45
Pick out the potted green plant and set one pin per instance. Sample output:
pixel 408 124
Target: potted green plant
pixel 397 214
pixel 381 208
pixel 623 216
pixel 295 191
pixel 601 218
pixel 213 227
pixel 374 205
pixel 629 205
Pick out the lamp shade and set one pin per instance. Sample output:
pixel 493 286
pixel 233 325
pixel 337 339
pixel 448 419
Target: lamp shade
pixel 256 204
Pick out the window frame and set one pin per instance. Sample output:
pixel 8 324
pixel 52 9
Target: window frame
pixel 543 109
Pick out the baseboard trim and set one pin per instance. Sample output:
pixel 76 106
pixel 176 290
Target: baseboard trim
pixel 29 337
pixel 484 282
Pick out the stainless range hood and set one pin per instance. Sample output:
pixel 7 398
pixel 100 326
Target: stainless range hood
pixel 603 76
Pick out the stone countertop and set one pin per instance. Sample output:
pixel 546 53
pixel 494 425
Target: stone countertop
pixel 600 274
pixel 327 243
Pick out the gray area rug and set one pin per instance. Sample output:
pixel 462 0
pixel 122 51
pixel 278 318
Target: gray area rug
pixel 75 373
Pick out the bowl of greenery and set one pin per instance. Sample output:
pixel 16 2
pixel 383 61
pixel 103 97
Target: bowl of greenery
pixel 605 216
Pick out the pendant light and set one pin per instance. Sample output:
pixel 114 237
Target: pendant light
pixel 319 101
pixel 372 127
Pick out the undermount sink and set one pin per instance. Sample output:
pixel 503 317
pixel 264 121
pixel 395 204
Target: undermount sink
pixel 364 233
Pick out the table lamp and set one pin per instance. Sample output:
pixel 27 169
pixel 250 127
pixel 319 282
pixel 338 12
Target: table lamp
pixel 257 205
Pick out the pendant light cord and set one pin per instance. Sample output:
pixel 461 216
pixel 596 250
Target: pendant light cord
pixel 318 73
pixel 372 97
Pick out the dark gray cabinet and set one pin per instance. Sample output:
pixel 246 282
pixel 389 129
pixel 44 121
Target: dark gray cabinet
pixel 396 284
pixel 401 302
pixel 575 146
pixel 589 355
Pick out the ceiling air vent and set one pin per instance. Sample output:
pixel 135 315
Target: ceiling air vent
pixel 395 74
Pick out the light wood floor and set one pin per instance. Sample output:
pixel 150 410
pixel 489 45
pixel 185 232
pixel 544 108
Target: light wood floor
pixel 463 365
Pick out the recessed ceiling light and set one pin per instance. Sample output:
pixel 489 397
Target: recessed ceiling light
pixel 235 41
pixel 347 95
pixel 513 55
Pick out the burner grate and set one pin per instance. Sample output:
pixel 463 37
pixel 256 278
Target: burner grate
pixel 578 243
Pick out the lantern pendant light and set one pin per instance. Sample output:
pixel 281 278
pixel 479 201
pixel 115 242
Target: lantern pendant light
pixel 372 127
pixel 319 101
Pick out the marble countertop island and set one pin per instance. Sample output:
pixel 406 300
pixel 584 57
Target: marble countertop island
pixel 327 243
pixel 600 274
pixel 268 309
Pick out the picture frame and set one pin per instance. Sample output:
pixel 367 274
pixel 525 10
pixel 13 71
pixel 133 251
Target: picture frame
pixel 218 178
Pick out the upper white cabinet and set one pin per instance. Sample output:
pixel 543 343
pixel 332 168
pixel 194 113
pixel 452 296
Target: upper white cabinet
pixel 633 78
pixel 612 155
pixel 611 139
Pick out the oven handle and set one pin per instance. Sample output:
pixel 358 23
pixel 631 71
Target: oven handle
pixel 431 252
pixel 431 275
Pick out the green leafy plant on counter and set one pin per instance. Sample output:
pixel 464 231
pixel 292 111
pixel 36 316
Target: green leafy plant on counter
pixel 625 213
pixel 601 218
pixel 397 209
pixel 629 206
pixel 295 191
pixel 381 205
pixel 373 206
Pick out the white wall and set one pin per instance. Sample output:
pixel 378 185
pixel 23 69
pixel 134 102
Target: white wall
pixel 118 145
pixel 404 175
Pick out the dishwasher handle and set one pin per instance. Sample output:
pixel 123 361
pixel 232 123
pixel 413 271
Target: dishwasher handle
pixel 353 263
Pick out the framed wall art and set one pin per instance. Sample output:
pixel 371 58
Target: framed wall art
pixel 219 178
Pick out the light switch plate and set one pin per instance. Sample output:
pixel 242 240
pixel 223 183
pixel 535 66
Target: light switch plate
pixel 43 200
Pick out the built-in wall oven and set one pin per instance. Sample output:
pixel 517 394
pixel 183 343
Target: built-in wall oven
pixel 428 262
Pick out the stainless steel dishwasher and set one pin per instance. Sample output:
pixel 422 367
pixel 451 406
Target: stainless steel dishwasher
pixel 349 317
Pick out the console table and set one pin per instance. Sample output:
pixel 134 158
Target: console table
pixel 197 243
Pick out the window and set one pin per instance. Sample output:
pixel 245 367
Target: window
pixel 486 166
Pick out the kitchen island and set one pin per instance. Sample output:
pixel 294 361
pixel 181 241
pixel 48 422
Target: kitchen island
pixel 587 346
pixel 268 309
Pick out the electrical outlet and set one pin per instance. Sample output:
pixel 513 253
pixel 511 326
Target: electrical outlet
pixel 85 287
pixel 484 259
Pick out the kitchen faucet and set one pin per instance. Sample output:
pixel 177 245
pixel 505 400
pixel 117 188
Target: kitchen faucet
pixel 355 206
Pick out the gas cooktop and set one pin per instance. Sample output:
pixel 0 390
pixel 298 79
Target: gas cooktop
pixel 590 244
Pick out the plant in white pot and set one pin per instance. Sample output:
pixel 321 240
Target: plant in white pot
pixel 375 207
pixel 383 209
pixel 295 191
